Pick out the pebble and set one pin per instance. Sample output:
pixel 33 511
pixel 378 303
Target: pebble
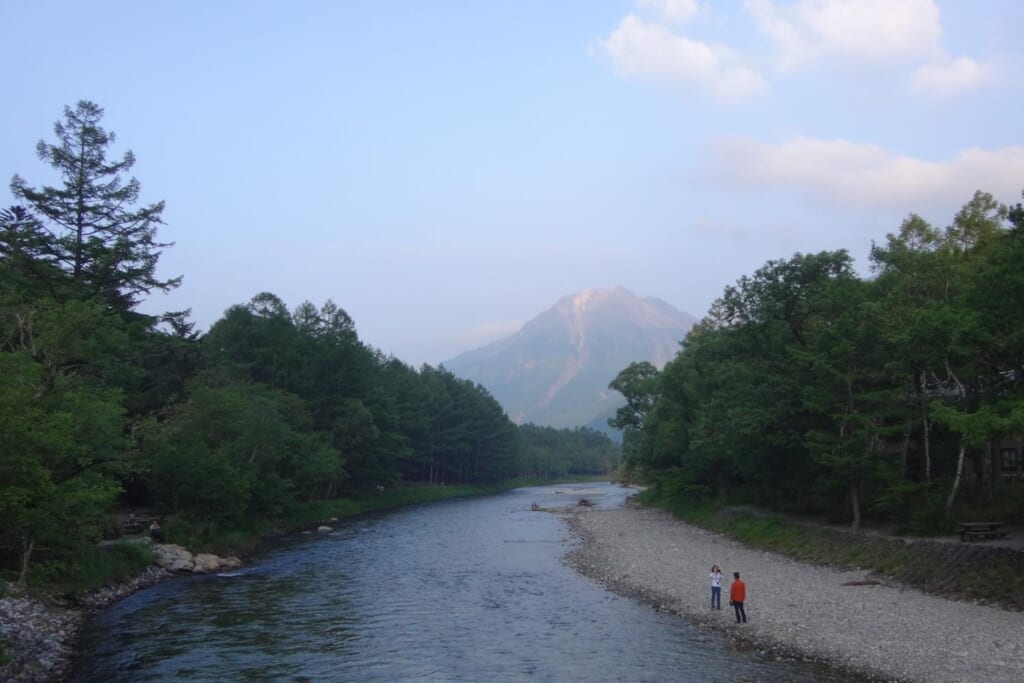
pixel 41 636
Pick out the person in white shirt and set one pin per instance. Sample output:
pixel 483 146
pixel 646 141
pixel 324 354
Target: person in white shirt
pixel 716 587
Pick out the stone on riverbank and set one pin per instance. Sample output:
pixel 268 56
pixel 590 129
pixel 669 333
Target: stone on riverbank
pixel 175 558
pixel 41 636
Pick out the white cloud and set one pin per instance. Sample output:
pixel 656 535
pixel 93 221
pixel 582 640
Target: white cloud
pixel 950 78
pixel 878 32
pixel 846 173
pixel 875 31
pixel 672 11
pixel 649 50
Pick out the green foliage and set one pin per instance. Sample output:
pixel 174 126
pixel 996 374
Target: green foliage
pixel 270 413
pixel 62 446
pixel 92 567
pixel 809 389
pixel 548 453
pixel 974 572
pixel 91 234
pixel 678 486
pixel 235 452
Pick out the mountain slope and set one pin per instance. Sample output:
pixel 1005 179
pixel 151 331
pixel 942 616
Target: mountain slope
pixel 555 371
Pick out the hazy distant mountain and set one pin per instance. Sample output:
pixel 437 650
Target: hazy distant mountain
pixel 555 370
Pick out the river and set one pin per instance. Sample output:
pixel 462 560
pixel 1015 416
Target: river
pixel 464 590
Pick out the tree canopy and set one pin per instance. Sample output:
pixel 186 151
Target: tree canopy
pixel 269 410
pixel 810 389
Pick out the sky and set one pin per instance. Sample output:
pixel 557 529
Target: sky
pixel 444 171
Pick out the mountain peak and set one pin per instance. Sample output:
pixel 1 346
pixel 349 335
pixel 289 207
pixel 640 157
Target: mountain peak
pixel 556 369
pixel 592 298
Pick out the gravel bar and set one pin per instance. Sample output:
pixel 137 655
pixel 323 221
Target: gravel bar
pixel 881 631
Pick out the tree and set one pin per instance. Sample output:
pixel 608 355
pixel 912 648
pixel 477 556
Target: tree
pixel 639 385
pixel 254 342
pixel 238 451
pixel 89 230
pixel 849 391
pixel 61 444
pixel 26 271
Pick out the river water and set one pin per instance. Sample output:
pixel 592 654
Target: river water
pixel 465 590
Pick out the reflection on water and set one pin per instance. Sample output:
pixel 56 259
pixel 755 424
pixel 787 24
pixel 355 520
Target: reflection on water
pixel 458 591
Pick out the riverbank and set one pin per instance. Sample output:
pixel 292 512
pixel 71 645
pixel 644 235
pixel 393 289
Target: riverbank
pixel 40 636
pixel 848 619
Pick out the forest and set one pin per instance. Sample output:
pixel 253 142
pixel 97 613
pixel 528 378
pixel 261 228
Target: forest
pixel 271 409
pixel 895 398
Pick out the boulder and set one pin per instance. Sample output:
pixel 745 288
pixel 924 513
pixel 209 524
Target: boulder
pixel 173 557
pixel 205 562
pixel 324 529
pixel 230 562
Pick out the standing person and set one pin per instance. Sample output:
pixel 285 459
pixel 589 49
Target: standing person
pixel 155 533
pixel 737 596
pixel 716 587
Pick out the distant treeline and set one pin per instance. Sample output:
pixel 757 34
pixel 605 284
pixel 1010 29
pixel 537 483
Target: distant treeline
pixel 269 410
pixel 807 388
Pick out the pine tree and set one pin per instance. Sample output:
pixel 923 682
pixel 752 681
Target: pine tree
pixel 87 225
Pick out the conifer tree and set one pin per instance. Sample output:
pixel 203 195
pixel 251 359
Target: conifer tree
pixel 88 226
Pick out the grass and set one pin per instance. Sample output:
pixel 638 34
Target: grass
pixel 988 574
pixel 91 567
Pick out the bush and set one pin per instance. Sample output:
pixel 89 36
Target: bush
pixel 678 490
pixel 91 567
pixel 915 509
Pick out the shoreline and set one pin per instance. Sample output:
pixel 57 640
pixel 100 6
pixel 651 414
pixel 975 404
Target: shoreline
pixel 871 629
pixel 42 637
pixel 42 634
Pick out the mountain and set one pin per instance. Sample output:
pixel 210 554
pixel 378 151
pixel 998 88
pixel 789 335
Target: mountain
pixel 556 369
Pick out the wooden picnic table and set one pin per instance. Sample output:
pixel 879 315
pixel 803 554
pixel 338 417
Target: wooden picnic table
pixel 980 531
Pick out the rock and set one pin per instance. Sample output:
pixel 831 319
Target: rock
pixel 39 636
pixel 173 557
pixel 205 562
pixel 324 529
pixel 230 562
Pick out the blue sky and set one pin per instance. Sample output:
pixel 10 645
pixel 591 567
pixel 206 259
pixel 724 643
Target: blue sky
pixel 444 171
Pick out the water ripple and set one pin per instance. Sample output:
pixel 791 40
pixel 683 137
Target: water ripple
pixel 458 591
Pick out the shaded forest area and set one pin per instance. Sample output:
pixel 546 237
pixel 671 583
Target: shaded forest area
pixel 269 410
pixel 897 398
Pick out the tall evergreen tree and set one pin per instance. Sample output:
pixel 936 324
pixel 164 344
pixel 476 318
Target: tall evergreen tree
pixel 88 227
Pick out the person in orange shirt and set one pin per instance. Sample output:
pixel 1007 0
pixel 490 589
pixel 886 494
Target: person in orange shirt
pixel 737 596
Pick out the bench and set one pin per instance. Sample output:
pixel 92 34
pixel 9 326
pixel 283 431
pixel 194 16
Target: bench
pixel 980 531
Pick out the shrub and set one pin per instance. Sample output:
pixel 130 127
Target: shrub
pixel 92 567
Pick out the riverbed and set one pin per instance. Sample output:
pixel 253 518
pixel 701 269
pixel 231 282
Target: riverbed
pixel 464 590
pixel 850 618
